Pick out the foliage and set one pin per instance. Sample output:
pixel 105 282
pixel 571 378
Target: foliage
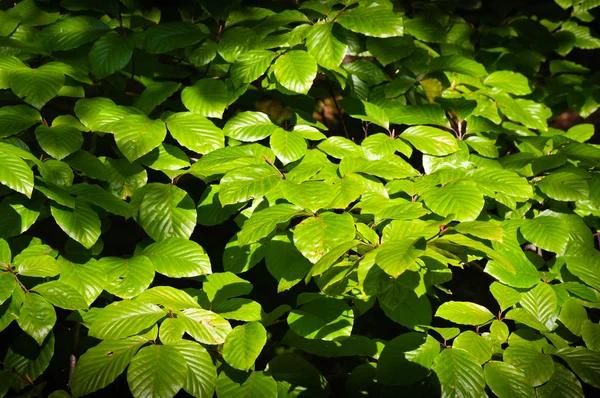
pixel 309 198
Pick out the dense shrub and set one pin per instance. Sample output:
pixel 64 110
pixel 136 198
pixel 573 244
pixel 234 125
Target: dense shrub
pixel 299 198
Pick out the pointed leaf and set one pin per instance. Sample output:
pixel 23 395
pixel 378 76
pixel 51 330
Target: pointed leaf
pixel 207 97
pixel 157 371
pixel 81 223
pixel 110 54
pixel 178 258
pixel 124 318
pixel 36 317
pixel 296 70
pixel 464 313
pixel 244 344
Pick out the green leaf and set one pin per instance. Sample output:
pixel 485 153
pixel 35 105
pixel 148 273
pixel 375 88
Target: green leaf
pixel 295 375
pixel 315 236
pixel 326 44
pixel 311 195
pixel 61 295
pixel 157 371
pixel 395 257
pixel 136 135
pixel 165 37
pixel 322 318
pixel 72 32
pixel 546 232
pixel 390 50
pixel 238 259
pixel 505 380
pixel 250 66
pixel 81 223
pixel 16 174
pixel 374 19
pixel 201 374
pixel 207 97
pixel 250 126
pixel 36 86
pixel 36 317
pixel 285 263
pixel 28 360
pixel 431 140
pixel 110 54
pixel 223 285
pixel 243 385
pixel 127 278
pixel 240 309
pixel 419 114
pixel 511 82
pixel 167 211
pixel 538 367
pixel 59 141
pixel 244 344
pixel 464 313
pixel 573 315
pixel 100 365
pixel 16 118
pixel 37 261
pixel 478 346
pixel 505 296
pixel 407 359
pixel 237 41
pixel 541 303
pixel 204 326
pixel 83 277
pixel 7 285
pixel 289 146
pixel 481 229
pixel 155 94
pixel 124 318
pixel 195 132
pixel 169 297
pixel 585 363
pixel 564 186
pixel 171 330
pixel 248 182
pixel 461 200
pixel 296 70
pixel 178 258
pixel 459 374
pixel 563 383
pixel 94 194
pixel 590 332
pixel 210 211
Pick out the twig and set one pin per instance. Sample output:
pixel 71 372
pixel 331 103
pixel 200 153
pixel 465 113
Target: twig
pixel 273 166
pixel 339 110
pixel 72 357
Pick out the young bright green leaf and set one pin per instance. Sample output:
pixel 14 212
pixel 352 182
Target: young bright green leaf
pixel 59 141
pixel 36 86
pixel 127 278
pixel 315 236
pixel 573 315
pixel 157 371
pixel 395 257
pixel 81 223
pixel 504 295
pixel 102 364
pixel 168 297
pixel 478 346
pixel 61 295
pixel 250 126
pixel 36 317
pixel 506 380
pixel 124 319
pixel 464 313
pixel 16 174
pixel 240 384
pixel 224 285
pixel 296 70
pixel 511 82
pixel 374 19
pixel 326 44
pixel 202 374
pixel 541 302
pixel 207 97
pixel 250 66
pixel 195 132
pixel 458 373
pixel 590 332
pixel 431 140
pixel 204 326
pixel 585 363
pixel 538 367
pixel 136 135
pixel 460 200
pixel 72 32
pixel 285 263
pixel 244 344
pixel 249 182
pixel 166 211
pixel 178 258
pixel 37 261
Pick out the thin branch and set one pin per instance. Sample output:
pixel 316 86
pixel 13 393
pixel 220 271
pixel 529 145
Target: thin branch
pixel 339 110
pixel 73 357
pixel 273 166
